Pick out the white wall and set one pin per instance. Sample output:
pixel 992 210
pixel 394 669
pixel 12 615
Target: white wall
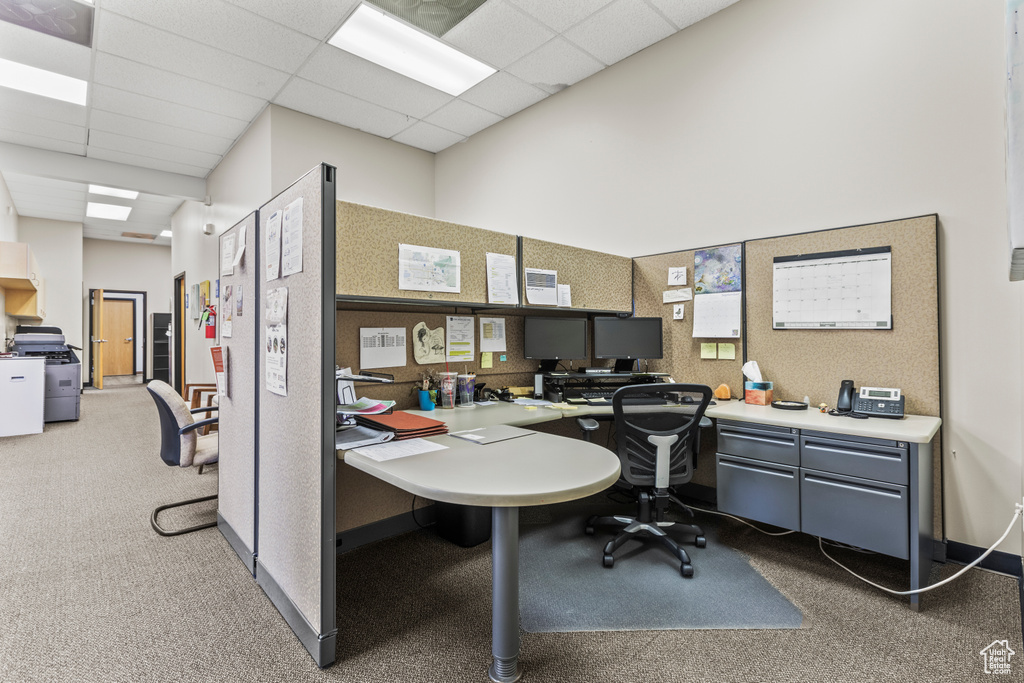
pixel 781 116
pixel 109 264
pixel 8 233
pixel 57 246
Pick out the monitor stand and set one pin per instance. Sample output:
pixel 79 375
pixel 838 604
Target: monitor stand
pixel 548 365
pixel 624 364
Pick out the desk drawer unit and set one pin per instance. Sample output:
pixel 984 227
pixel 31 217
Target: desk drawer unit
pixel 886 461
pixel 761 442
pixel 862 512
pixel 763 491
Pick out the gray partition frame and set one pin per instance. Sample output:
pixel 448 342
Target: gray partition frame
pixel 238 467
pixel 296 486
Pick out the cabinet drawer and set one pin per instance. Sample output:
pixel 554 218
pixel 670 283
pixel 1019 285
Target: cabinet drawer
pixel 867 514
pixel 855 458
pixel 766 492
pixel 761 442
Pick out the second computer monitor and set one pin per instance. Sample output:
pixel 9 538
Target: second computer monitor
pixel 550 340
pixel 627 339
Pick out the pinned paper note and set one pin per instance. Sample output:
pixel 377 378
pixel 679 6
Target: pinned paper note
pixel 671 295
pixel 709 351
pixel 564 296
pixel 486 359
pixel 678 311
pixel 676 276
pixel 727 352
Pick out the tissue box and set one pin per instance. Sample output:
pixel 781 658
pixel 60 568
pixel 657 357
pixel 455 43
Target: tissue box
pixel 757 393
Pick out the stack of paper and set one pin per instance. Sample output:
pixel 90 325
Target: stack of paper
pixel 403 425
pixel 354 437
pixel 365 406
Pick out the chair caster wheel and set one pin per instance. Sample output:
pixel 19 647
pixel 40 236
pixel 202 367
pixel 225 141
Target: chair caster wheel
pixel 609 561
pixel 589 530
pixel 700 542
pixel 686 570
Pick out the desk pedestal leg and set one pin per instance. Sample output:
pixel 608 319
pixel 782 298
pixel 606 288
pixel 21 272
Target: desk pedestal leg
pixel 505 594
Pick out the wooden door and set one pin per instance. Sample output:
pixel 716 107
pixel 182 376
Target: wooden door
pixel 97 338
pixel 119 328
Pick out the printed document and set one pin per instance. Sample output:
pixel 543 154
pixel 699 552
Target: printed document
pixel 717 315
pixel 427 269
pixel 460 339
pixel 381 347
pixel 291 239
pixel 274 246
pixel 492 335
pixel 398 449
pixel 501 279
pixel 541 286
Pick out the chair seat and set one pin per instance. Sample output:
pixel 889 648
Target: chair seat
pixel 206 450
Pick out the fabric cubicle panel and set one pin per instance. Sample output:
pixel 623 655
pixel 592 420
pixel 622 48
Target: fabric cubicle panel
pixel 367 247
pixel 597 281
pixel 295 518
pixel 813 362
pixel 236 502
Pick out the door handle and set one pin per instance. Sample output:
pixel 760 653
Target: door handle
pixel 127 339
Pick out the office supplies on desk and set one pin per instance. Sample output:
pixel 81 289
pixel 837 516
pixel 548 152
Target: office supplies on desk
pixel 789 405
pixel 403 424
pixel 365 406
pixel 391 450
pixel 486 435
pixel 354 437
pixel 879 402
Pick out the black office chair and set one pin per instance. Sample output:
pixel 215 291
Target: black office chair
pixel 658 435
pixel 180 446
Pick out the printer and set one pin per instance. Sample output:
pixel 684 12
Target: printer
pixel 63 389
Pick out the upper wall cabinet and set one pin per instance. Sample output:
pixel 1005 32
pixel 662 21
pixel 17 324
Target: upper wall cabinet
pixel 368 254
pixel 597 281
pixel 28 304
pixel 18 267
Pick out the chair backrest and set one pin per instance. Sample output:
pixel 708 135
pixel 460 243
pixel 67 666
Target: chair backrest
pixel 174 414
pixel 671 414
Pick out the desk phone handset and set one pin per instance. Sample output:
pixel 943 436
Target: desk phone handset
pixel 869 401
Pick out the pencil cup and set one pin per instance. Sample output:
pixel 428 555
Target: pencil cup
pixel 448 380
pixel 467 384
pixel 426 403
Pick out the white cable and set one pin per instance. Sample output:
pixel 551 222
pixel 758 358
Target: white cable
pixel 1016 515
pixel 743 521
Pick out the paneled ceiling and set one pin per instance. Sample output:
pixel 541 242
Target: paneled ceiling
pixel 172 85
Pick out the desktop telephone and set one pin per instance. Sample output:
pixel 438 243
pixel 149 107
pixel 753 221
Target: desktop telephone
pixel 869 401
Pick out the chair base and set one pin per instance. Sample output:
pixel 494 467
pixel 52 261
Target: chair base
pixel 164 532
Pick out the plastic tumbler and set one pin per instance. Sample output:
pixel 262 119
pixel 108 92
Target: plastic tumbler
pixel 467 384
pixel 448 382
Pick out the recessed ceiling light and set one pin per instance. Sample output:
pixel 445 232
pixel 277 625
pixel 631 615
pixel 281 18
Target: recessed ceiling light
pixel 41 82
pixel 166 233
pixel 111 212
pixel 113 192
pixel 381 39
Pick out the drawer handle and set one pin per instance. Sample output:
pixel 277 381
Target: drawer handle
pixel 853 487
pixel 754 468
pixel 763 439
pixel 18 378
pixel 849 451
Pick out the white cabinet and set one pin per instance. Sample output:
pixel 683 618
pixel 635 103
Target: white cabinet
pixel 22 382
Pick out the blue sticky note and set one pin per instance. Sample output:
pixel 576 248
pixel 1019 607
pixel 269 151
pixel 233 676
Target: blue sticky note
pixel 503 358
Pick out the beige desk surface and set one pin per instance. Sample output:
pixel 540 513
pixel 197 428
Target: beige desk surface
pixel 913 428
pixel 500 413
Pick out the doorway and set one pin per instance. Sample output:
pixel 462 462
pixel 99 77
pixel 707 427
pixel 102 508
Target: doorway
pixel 119 328
pixel 117 332
pixel 178 335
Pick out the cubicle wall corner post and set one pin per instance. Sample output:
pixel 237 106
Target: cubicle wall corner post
pixel 296 515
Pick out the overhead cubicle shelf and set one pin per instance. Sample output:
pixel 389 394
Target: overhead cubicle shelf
pixel 598 282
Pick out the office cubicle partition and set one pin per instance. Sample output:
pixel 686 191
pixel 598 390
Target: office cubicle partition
pixel 598 282
pixel 239 450
pixel 296 486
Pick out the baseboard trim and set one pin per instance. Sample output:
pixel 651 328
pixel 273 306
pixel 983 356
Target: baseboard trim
pixel 320 647
pixel 237 544
pixel 1004 563
pixel 386 528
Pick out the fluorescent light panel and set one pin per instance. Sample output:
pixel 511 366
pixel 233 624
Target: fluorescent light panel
pixel 113 192
pixel 383 40
pixel 41 82
pixel 166 233
pixel 111 212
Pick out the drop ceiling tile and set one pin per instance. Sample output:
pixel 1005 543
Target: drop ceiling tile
pixel 42 195
pixel 55 203
pixel 225 26
pixel 684 14
pixel 158 132
pixel 69 217
pixel 29 140
pixel 43 107
pixel 555 66
pixel 147 80
pixel 141 43
pixel 562 14
pixel 463 118
pixel 316 100
pixel 498 34
pixel 32 181
pixel 146 162
pixel 158 111
pixel 344 72
pixel 143 147
pixel 316 18
pixel 428 137
pixel 26 123
pixel 25 46
pixel 619 30
pixel 503 94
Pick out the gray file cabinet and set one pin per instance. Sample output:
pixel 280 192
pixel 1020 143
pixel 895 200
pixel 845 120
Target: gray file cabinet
pixel 865 490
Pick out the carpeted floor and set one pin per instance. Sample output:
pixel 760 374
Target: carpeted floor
pixel 89 593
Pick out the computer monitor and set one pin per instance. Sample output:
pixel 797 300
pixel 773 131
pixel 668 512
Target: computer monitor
pixel 550 340
pixel 626 340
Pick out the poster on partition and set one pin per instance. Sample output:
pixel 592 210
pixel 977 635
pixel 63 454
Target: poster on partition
pixel 277 341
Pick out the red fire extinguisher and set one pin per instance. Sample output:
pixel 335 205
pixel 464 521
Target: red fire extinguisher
pixel 209 318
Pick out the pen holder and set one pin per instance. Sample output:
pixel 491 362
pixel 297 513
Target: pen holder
pixel 466 384
pixel 448 383
pixel 426 402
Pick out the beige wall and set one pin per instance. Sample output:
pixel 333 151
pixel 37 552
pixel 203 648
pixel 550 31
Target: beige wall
pixel 781 116
pixel 109 264
pixel 57 246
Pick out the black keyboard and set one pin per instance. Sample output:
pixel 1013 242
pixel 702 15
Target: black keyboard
pixel 596 394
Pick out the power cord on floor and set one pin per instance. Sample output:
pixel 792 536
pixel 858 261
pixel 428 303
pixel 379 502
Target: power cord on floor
pixel 1018 508
pixel 742 521
pixel 413 512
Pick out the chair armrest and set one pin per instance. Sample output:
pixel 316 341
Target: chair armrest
pixel 203 410
pixel 196 425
